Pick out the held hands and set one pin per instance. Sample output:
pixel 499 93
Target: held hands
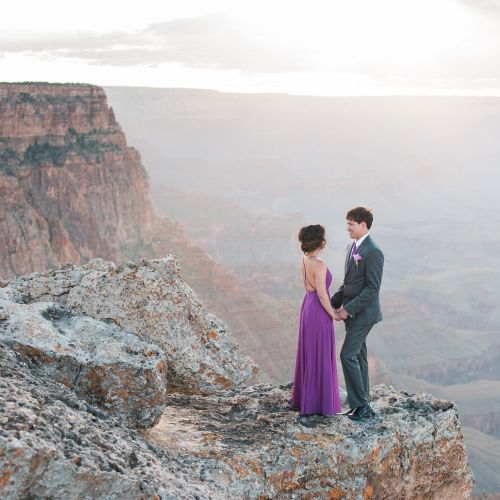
pixel 341 314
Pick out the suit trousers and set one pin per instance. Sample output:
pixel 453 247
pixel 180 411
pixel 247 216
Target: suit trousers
pixel 354 358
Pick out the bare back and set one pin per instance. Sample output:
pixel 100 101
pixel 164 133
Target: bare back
pixel 309 273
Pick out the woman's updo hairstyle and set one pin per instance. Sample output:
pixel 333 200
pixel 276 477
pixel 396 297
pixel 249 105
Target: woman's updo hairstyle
pixel 312 237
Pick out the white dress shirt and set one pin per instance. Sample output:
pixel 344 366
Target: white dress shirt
pixel 358 242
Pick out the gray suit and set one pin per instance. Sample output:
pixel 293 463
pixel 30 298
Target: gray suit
pixel 359 295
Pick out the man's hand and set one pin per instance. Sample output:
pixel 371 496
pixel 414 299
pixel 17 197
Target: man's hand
pixel 341 314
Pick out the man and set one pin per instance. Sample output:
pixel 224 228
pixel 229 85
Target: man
pixel 357 304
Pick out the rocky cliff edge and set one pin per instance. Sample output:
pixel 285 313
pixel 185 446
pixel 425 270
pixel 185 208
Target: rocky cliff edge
pixel 116 382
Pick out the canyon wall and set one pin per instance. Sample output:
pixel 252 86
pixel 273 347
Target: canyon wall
pixel 71 189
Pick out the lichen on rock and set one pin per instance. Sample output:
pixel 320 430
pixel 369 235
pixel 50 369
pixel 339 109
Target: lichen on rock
pixel 149 299
pixel 413 448
pixel 100 362
pixel 85 350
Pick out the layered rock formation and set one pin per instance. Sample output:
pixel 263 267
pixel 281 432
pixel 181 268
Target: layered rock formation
pixel 71 189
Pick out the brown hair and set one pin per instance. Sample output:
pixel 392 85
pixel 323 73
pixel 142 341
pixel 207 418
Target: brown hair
pixel 312 237
pixel 361 214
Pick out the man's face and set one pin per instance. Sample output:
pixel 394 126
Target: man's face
pixel 356 230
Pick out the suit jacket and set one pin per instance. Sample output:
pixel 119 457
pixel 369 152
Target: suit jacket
pixel 359 293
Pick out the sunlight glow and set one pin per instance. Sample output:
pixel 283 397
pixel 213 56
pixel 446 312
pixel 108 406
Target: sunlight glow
pixel 322 47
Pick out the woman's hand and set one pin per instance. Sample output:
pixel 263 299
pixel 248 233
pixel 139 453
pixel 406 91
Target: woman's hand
pixel 341 314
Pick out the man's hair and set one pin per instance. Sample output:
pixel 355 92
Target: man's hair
pixel 361 214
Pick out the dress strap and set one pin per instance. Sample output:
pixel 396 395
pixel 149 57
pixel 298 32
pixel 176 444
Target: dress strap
pixel 305 274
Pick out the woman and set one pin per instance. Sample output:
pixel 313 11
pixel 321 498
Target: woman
pixel 315 386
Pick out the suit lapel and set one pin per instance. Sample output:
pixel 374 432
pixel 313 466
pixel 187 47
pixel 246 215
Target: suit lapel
pixel 361 251
pixel 347 257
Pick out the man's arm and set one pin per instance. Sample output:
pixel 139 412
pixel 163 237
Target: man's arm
pixel 338 297
pixel 374 266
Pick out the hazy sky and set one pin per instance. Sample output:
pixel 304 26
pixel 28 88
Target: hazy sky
pixel 346 47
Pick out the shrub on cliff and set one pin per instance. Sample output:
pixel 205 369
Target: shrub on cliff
pixel 81 144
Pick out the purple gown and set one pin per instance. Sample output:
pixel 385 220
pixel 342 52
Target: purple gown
pixel 315 384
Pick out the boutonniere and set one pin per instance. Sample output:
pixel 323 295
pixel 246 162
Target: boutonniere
pixel 357 258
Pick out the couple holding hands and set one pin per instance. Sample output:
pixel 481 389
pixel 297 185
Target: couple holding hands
pixel 315 387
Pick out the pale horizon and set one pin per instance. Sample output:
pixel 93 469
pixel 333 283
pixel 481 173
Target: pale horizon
pixel 329 48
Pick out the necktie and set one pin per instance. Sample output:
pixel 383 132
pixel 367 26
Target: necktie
pixel 354 250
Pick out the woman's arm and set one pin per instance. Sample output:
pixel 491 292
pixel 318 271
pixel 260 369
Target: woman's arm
pixel 320 282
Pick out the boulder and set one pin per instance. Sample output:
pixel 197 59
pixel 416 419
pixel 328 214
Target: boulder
pixel 150 299
pixel 99 361
pixel 54 444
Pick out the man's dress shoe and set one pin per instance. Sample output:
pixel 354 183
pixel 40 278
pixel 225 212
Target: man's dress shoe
pixel 361 413
pixel 350 411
